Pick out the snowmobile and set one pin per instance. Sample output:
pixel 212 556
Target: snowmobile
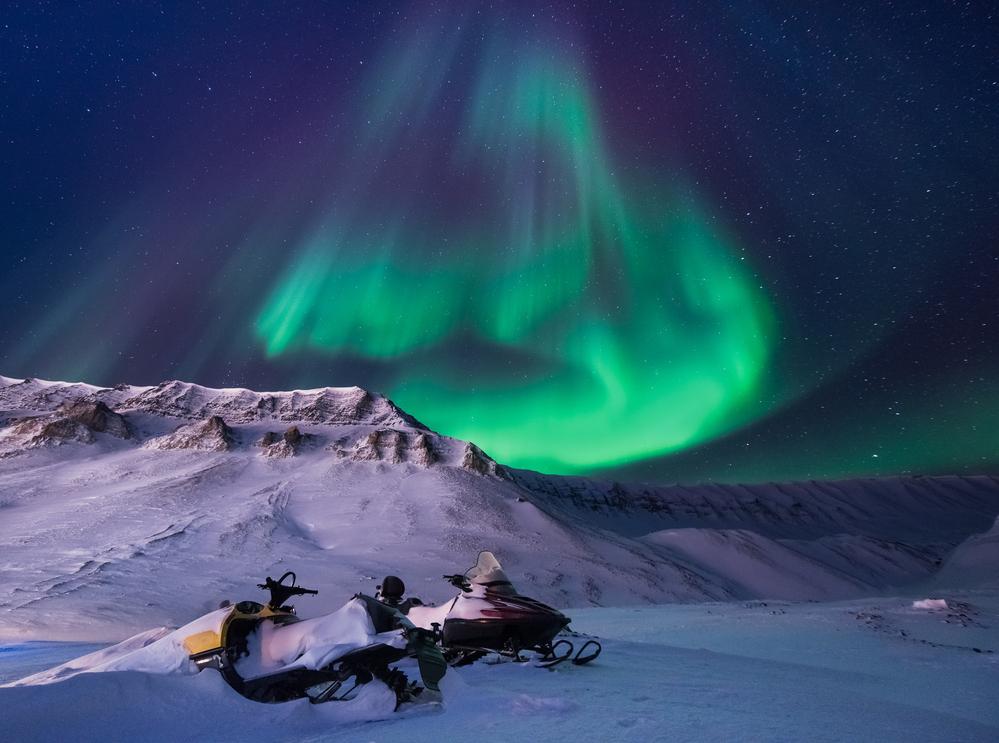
pixel 489 616
pixel 268 654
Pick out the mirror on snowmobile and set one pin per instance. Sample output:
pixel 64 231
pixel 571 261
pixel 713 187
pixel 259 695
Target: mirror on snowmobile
pixel 281 592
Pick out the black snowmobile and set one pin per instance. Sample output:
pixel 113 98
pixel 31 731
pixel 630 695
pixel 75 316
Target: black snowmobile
pixel 268 654
pixel 489 616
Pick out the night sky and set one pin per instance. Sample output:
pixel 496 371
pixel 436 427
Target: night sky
pixel 733 241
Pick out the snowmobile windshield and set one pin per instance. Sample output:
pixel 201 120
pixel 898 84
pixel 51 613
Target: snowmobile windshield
pixel 488 573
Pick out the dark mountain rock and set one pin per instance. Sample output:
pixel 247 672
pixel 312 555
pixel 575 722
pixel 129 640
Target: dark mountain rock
pixel 395 447
pixel 96 416
pixel 49 430
pixel 288 444
pixel 476 460
pixel 211 434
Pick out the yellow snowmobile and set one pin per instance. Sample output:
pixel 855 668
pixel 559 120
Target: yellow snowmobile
pixel 268 654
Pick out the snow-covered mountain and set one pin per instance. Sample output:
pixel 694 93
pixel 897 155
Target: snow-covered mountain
pixel 111 498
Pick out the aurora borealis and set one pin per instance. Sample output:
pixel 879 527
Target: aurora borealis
pixel 745 241
pixel 641 325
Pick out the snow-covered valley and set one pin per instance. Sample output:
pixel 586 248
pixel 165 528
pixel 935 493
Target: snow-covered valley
pixel 766 612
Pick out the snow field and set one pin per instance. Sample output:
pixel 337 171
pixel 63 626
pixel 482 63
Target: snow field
pixel 868 670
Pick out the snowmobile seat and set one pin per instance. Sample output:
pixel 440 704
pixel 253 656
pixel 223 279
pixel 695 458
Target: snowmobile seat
pixel 391 590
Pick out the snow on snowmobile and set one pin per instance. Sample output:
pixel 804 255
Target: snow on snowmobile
pixel 268 654
pixel 489 616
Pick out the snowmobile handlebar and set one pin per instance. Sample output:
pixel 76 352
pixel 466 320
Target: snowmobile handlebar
pixel 459 581
pixel 281 592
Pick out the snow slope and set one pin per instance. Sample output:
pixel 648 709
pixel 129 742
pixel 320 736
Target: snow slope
pixel 126 508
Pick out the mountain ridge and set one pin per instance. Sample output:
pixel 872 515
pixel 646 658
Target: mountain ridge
pixel 176 399
pixel 104 491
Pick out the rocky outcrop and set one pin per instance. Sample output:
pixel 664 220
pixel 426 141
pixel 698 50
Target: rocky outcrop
pixel 97 416
pixel 209 435
pixel 422 452
pixel 32 433
pixel 71 422
pixel 392 446
pixel 288 444
pixel 476 460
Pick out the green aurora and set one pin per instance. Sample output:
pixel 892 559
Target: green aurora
pixel 619 320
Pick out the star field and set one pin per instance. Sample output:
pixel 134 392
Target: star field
pixel 742 241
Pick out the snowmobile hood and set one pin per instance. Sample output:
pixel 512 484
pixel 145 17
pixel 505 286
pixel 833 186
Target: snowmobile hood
pixel 209 632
